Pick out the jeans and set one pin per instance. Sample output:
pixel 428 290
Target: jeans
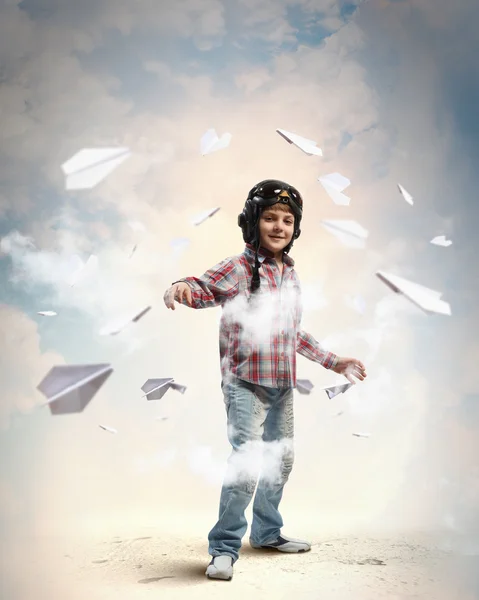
pixel 260 431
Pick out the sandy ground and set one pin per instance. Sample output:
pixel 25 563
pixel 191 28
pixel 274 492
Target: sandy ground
pixel 150 562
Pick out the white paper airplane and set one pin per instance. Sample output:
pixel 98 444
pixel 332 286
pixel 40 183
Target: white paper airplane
pixel 304 386
pixel 133 250
pixel 334 184
pixel 178 245
pixel 205 215
pixel 115 327
pixel 88 167
pixel 109 429
pixel 358 303
pixel 155 389
pixel 47 313
pixel 362 435
pixel 335 390
pixel 80 270
pixel 349 233
pixel 440 240
pixel 405 194
pixel 137 226
pixel 425 298
pixel 69 388
pixel 309 147
pixel 211 143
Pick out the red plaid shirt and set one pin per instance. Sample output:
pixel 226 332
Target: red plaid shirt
pixel 261 349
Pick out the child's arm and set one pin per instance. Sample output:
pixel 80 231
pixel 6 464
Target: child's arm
pixel 311 349
pixel 213 288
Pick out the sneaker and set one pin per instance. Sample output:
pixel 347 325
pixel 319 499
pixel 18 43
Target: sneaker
pixel 283 544
pixel 220 567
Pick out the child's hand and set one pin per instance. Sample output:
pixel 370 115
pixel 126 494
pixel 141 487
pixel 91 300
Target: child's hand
pixel 350 367
pixel 178 292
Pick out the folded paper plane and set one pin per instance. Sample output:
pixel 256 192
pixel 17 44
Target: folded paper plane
pixel 334 184
pixel 405 194
pixel 155 389
pixel 137 226
pixel 362 435
pixel 426 299
pixel 211 143
pixel 309 147
pixel 358 303
pixel 440 240
pixel 115 327
pixel 109 429
pixel 179 245
pixel 335 390
pixel 349 233
pixel 205 215
pixel 80 270
pixel 47 313
pixel 69 388
pixel 88 167
pixel 133 250
pixel 304 386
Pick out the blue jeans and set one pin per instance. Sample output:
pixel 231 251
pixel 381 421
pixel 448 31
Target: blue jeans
pixel 260 431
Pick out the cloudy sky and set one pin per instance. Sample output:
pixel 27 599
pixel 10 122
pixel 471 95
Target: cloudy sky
pixel 389 90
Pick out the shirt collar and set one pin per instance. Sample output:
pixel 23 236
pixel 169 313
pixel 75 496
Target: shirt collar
pixel 265 253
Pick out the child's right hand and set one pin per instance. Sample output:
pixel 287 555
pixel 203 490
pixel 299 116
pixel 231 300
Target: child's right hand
pixel 179 292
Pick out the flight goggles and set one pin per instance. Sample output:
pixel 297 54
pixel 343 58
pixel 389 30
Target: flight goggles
pixel 272 191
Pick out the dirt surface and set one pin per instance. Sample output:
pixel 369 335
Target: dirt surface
pixel 155 564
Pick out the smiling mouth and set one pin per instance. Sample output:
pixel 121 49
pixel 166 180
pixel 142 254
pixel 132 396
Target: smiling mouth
pixel 275 237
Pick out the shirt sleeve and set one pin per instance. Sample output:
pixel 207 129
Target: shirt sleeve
pixel 214 287
pixel 311 349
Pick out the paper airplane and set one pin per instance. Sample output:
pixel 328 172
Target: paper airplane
pixel 362 435
pixel 155 389
pixel 178 245
pixel 88 167
pixel 309 147
pixel 133 250
pixel 304 386
pixel 81 270
pixel 69 388
pixel 440 240
pixel 335 390
pixel 350 233
pixel 47 313
pixel 334 184
pixel 115 327
pixel 137 226
pixel 426 299
pixel 211 143
pixel 202 217
pixel 406 195
pixel 109 429
pixel 358 303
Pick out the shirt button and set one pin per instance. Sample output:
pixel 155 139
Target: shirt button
pixel 282 354
pixel 282 332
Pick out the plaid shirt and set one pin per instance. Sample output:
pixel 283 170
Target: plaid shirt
pixel 258 340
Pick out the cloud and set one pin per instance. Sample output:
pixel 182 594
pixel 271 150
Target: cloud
pixel 23 369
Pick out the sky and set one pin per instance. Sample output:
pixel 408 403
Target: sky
pixel 389 90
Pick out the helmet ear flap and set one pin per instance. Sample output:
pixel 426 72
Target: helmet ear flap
pixel 247 220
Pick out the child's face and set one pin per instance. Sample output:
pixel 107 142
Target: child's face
pixel 276 228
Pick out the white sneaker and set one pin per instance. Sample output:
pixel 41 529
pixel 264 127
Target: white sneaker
pixel 283 544
pixel 220 567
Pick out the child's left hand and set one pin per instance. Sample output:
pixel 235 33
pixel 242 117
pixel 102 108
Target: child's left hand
pixel 350 367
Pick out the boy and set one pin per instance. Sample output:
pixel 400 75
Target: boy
pixel 260 334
